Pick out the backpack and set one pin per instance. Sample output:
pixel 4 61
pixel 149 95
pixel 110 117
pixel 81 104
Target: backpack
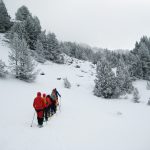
pixel 53 95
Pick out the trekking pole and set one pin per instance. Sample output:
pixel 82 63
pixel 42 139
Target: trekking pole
pixel 60 104
pixel 33 119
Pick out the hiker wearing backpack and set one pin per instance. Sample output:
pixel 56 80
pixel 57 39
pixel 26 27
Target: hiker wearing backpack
pixel 49 107
pixel 54 96
pixel 39 106
pixel 46 104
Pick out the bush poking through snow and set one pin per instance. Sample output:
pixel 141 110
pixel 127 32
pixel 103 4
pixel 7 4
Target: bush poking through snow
pixel 77 66
pixel 58 78
pixel 119 113
pixel 148 103
pixel 2 69
pixel 148 85
pixel 67 83
pixel 136 96
pixel 42 73
pixel 78 85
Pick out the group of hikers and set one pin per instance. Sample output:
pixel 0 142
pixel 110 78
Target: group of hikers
pixel 46 105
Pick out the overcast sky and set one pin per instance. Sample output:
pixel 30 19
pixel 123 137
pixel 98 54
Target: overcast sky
pixel 112 24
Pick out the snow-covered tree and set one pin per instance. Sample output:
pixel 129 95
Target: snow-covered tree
pixel 43 39
pixel 105 82
pixel 136 95
pixel 5 23
pixel 142 51
pixel 27 66
pixel 135 66
pixel 18 28
pixel 14 55
pixel 144 55
pixel 2 69
pixel 124 82
pixel 40 52
pixel 33 29
pixel 22 13
pixel 52 52
pixel 20 60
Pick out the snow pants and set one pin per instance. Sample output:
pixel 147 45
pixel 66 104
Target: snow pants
pixel 46 113
pixel 40 117
pixel 53 109
pixel 40 121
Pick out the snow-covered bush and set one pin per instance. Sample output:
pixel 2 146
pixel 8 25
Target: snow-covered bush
pixel 2 69
pixel 42 73
pixel 77 66
pixel 148 103
pixel 78 85
pixel 59 78
pixel 60 59
pixel 136 95
pixel 67 84
pixel 148 85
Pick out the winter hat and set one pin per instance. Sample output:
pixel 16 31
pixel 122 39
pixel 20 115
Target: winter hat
pixel 38 93
pixel 44 95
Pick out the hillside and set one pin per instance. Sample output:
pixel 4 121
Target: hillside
pixel 83 122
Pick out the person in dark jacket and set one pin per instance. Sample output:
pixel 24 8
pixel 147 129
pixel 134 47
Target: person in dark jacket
pixel 39 106
pixel 54 97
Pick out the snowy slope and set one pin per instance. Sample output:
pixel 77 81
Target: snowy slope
pixel 84 121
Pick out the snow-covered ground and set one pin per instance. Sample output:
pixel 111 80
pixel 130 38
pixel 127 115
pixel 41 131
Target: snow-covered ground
pixel 84 122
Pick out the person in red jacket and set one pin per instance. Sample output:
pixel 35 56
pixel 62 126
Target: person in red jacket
pixel 49 105
pixel 45 107
pixel 39 106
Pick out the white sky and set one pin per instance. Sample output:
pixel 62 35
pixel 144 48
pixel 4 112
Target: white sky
pixel 112 24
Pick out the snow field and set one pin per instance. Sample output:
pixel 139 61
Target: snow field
pixel 84 122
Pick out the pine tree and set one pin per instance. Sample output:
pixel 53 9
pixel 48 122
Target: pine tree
pixel 19 28
pixel 123 78
pixel 26 66
pixel 22 13
pixel 2 69
pixel 135 66
pixel 145 60
pixel 142 52
pixel 33 29
pixel 43 39
pixel 52 52
pixel 105 80
pixel 5 23
pixel 40 52
pixel 14 55
pixel 20 60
